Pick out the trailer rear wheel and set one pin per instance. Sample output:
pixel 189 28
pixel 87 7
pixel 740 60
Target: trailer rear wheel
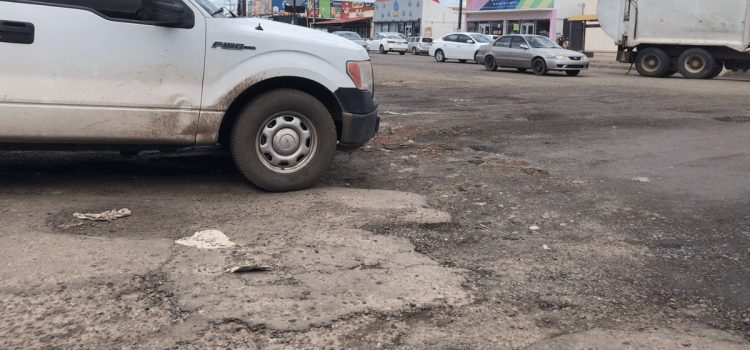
pixel 652 62
pixel 718 70
pixel 697 63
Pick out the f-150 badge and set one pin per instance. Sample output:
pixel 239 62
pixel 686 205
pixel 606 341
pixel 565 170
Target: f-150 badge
pixel 231 46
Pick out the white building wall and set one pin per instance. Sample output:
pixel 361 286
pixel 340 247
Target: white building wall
pixel 569 8
pixel 439 19
pixel 596 40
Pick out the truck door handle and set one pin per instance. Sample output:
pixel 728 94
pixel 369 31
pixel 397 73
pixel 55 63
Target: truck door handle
pixel 16 32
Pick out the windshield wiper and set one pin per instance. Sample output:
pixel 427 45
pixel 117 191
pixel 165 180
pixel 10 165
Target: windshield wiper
pixel 221 10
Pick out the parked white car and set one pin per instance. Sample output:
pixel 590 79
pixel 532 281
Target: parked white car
pixel 419 45
pixel 178 73
pixel 388 42
pixel 458 46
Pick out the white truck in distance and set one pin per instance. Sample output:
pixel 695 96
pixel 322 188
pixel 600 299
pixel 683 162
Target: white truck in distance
pixel 697 38
pixel 134 75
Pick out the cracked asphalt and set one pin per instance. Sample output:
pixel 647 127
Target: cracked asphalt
pixel 494 211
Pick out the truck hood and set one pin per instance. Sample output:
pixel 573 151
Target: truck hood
pixel 288 37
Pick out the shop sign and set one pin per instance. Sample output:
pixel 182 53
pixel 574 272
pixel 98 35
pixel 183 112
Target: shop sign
pixel 493 5
pixel 398 10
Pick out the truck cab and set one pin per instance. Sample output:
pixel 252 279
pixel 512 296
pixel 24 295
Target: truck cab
pixel 164 74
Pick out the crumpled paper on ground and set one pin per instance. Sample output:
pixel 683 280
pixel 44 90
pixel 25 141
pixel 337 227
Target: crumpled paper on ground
pixel 105 216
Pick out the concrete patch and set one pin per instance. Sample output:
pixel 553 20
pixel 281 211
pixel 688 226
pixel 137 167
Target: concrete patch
pixel 322 277
pixel 427 216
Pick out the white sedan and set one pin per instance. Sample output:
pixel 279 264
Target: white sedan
pixel 388 42
pixel 458 46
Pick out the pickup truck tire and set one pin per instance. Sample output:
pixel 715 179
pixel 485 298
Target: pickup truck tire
pixel 283 140
pixel 652 62
pixel 697 63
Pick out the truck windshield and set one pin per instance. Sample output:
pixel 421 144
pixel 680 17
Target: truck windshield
pixel 539 42
pixel 211 8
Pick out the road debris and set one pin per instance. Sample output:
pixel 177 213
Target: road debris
pixel 534 228
pixel 75 224
pixel 535 172
pixel 641 179
pixel 546 247
pixel 249 268
pixel 105 216
pixel 209 239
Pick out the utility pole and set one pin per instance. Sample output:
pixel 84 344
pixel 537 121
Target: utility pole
pixel 294 12
pixel 460 12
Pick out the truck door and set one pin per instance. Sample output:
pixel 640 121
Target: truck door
pixel 91 71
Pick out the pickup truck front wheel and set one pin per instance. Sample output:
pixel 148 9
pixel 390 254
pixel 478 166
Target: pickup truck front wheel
pixel 283 140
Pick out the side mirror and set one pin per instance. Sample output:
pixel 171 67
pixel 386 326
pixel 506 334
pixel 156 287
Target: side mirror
pixel 165 13
pixel 524 46
pixel 469 41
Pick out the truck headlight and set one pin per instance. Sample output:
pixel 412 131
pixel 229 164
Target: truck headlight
pixel 560 57
pixel 361 74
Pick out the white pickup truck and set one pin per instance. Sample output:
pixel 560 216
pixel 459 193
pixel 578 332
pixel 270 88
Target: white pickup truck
pixel 163 74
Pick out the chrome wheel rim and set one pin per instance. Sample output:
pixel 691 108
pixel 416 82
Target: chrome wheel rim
pixel 286 142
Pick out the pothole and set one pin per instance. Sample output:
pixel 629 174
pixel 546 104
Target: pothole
pixel 145 223
pixel 734 119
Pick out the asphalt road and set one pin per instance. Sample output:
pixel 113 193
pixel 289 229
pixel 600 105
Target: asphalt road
pixel 495 210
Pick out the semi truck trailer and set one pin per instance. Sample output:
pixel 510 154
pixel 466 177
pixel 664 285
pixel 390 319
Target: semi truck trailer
pixel 698 38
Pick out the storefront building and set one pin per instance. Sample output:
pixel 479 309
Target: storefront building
pixel 431 18
pixel 500 17
pixel 350 16
pixel 402 16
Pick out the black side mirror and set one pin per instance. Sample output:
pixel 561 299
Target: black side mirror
pixel 166 13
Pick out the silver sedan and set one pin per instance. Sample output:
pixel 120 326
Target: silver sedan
pixel 535 52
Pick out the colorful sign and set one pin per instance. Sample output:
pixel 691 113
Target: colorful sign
pixel 261 8
pixel 280 5
pixel 356 10
pixel 324 8
pixel 494 5
pixel 398 10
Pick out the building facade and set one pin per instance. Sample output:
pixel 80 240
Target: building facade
pixel 415 17
pixel 540 17
pixel 350 16
pixel 500 17
pixel 402 16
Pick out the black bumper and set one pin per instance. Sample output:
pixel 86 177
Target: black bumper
pixel 359 118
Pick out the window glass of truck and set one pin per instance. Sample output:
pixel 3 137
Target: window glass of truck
pixel 211 8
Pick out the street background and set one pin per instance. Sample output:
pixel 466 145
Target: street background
pixel 494 210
